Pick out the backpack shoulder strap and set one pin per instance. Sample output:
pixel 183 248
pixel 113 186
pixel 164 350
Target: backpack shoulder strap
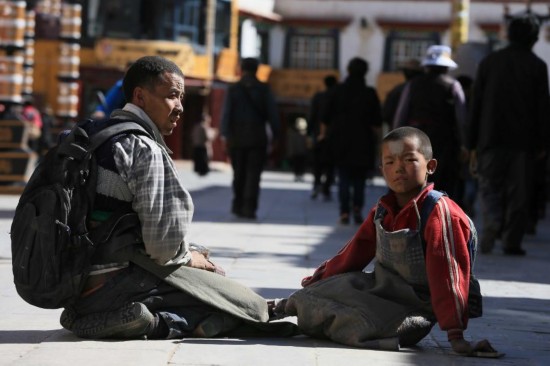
pixel 380 211
pixel 427 207
pixel 105 134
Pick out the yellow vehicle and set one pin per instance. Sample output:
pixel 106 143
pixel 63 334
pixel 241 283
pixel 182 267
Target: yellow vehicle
pixel 199 35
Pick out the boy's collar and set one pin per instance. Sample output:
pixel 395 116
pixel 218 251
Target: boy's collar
pixel 391 201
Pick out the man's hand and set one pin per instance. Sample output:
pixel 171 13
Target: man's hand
pixel 475 349
pixel 198 260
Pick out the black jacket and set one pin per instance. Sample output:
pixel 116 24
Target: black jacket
pixel 510 102
pixel 249 106
pixel 353 113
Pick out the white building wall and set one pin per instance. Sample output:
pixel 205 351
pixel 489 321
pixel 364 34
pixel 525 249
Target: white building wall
pixel 369 43
pixel 277 47
pixel 257 6
pixel 249 39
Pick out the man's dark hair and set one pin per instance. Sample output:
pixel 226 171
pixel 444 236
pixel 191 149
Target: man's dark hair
pixel 358 67
pixel 147 72
pixel 330 81
pixel 250 64
pixel 524 30
pixel 400 133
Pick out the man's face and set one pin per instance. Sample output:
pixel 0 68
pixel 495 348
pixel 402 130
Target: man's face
pixel 163 102
pixel 404 167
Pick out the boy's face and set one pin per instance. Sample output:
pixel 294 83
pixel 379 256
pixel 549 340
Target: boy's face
pixel 404 168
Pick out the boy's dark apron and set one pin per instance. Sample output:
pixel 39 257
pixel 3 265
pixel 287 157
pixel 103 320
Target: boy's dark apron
pixel 383 309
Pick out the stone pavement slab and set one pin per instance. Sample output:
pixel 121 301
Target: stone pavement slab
pixel 292 235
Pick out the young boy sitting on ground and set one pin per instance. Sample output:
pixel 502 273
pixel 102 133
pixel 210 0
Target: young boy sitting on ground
pixel 422 274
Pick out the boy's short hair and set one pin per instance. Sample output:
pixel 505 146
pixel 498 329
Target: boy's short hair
pixel 146 72
pixel 424 143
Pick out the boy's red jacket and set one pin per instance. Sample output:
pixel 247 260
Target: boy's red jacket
pixel 447 259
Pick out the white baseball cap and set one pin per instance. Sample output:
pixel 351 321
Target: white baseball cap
pixel 439 55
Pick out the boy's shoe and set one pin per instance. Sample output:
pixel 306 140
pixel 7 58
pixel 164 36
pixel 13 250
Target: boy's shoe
pixel 130 321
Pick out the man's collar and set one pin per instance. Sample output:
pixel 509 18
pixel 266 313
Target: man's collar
pixel 132 108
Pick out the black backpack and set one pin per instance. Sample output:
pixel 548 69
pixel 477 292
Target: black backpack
pixel 50 241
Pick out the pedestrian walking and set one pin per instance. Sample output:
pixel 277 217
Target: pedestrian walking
pixel 434 102
pixel 249 116
pixel 202 136
pixel 323 165
pixel 410 69
pixel 509 134
pixel 353 119
pixel 297 148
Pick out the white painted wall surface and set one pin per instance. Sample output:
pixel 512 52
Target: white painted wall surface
pixel 276 47
pixel 370 44
pixel 257 6
pixel 249 39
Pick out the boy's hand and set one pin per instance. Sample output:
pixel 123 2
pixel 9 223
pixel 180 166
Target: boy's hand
pixel 475 349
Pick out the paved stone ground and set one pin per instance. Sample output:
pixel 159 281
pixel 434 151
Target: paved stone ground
pixel 292 236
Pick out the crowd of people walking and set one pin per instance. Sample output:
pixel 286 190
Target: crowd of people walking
pixel 488 133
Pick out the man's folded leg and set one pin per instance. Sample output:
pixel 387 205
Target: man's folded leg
pixel 131 321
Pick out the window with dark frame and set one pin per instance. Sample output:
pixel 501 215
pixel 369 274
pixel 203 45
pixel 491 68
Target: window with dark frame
pixel 312 49
pixel 174 20
pixel 404 45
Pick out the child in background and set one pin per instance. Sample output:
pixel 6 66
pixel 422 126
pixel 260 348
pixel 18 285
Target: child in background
pixel 296 148
pixel 202 136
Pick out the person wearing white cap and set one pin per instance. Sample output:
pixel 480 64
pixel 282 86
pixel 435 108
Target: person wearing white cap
pixel 434 102
pixel 439 55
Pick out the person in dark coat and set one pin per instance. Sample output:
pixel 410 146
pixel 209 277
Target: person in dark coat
pixel 508 133
pixel 323 167
pixel 352 119
pixel 411 69
pixel 249 111
pixel 202 135
pixel 434 102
